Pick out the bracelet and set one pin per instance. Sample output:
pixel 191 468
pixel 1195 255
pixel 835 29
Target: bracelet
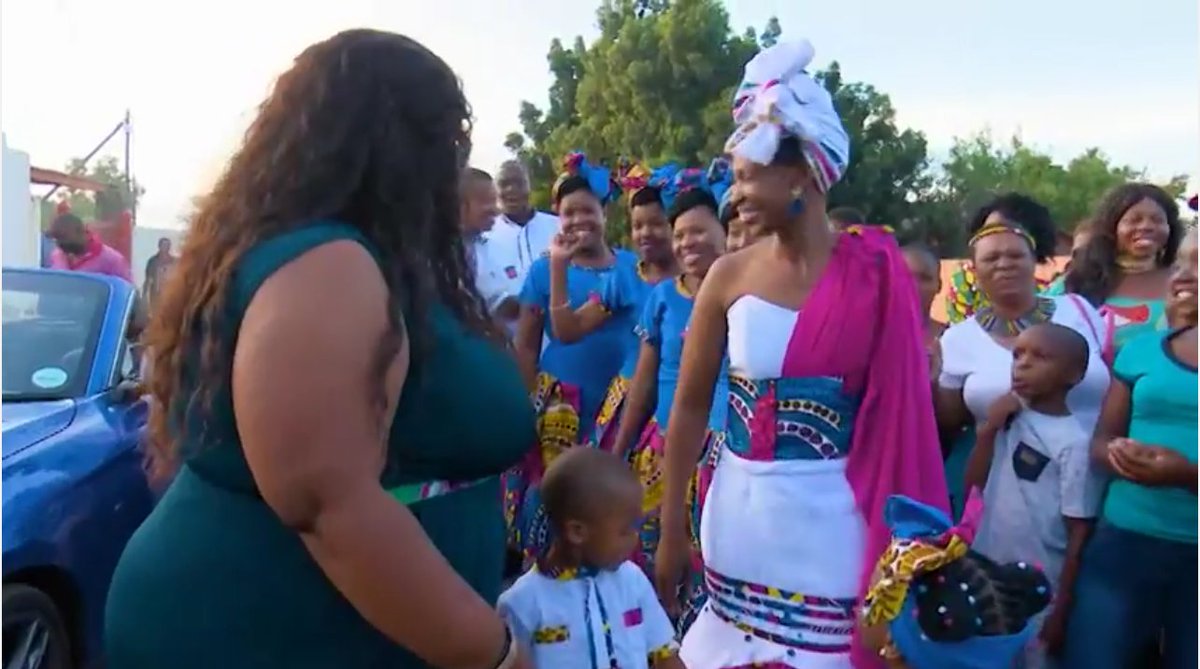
pixel 508 655
pixel 564 305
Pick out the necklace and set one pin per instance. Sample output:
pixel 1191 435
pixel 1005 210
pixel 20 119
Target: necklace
pixel 995 324
pixel 1132 265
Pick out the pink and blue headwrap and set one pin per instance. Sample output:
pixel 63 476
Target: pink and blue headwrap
pixel 777 99
pixel 635 177
pixel 599 179
pixel 715 180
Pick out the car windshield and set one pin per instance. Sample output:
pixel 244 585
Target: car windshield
pixel 51 325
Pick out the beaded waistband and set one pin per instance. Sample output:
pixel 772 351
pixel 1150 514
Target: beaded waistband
pixel 803 622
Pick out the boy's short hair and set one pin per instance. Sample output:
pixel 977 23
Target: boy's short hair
pixel 581 482
pixel 1074 346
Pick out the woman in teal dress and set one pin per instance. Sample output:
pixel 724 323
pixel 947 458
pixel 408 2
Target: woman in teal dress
pixel 336 495
pixel 1124 266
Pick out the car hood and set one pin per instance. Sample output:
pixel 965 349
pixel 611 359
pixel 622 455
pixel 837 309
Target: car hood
pixel 27 423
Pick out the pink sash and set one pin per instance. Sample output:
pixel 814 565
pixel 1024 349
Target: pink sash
pixel 861 323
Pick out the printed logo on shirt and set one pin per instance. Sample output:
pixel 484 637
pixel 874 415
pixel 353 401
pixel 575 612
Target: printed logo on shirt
pixel 1028 464
pixel 633 617
pixel 551 634
pixel 510 272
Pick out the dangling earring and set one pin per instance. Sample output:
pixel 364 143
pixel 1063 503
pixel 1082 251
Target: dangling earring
pixel 797 205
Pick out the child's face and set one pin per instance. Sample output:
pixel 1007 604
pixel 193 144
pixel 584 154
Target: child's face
pixel 927 276
pixel 610 538
pixel 1040 368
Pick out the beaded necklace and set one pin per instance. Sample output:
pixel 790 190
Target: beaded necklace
pixel 997 325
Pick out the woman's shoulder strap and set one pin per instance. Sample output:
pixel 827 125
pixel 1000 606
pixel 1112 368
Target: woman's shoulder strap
pixel 268 256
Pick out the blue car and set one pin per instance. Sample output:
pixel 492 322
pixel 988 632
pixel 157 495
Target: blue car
pixel 74 481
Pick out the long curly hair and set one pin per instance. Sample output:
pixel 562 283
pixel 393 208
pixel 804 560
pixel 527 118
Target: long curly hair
pixel 368 128
pixel 1094 273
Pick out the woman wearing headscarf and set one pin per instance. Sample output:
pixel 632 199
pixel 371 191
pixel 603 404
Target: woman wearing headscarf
pixel 1124 266
pixel 622 293
pixel 827 416
pixel 1009 236
pixel 568 380
pixel 699 239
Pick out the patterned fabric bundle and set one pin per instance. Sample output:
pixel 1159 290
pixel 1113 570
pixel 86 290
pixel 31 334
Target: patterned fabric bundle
pixel 933 603
pixel 599 179
pixel 777 99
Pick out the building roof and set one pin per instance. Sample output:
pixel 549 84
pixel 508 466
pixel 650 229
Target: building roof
pixel 40 175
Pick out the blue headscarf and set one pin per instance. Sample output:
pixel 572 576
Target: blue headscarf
pixel 715 180
pixel 599 179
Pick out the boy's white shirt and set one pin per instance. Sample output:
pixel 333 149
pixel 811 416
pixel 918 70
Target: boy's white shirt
pixel 1041 473
pixel 548 617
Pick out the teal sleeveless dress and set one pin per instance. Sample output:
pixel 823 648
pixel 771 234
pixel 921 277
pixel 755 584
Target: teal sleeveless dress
pixel 214 579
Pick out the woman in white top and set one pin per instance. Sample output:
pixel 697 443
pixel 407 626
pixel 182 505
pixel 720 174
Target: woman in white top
pixel 1010 235
pixel 829 406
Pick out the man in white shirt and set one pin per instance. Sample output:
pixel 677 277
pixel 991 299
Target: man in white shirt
pixel 521 234
pixel 478 217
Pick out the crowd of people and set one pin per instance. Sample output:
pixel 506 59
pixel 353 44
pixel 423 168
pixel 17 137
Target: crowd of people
pixel 384 384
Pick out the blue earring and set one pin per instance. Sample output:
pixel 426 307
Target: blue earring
pixel 797 205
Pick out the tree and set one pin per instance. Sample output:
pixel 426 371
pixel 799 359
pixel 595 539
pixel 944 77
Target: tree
pixel 656 86
pixel 121 195
pixel 887 170
pixel 978 168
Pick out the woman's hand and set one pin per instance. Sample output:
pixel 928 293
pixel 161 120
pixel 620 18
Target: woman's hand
pixel 1003 408
pixel 1149 465
pixel 670 566
pixel 564 246
pixel 1054 631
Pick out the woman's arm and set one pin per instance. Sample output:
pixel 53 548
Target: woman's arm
pixel 314 401
pixel 703 349
pixel 640 401
pixel 570 325
pixel 1113 423
pixel 529 343
pixel 951 409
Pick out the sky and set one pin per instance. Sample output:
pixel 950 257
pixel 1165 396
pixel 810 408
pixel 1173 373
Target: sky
pixel 1064 74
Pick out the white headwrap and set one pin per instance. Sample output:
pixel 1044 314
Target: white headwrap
pixel 777 99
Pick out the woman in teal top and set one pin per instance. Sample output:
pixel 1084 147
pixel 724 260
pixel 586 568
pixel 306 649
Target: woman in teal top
pixel 336 495
pixel 1138 579
pixel 1124 265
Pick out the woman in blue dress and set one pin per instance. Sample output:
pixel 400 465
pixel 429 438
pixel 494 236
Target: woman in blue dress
pixel 622 293
pixel 567 380
pixel 698 240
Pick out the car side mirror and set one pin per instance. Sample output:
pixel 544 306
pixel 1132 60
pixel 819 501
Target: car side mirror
pixel 125 392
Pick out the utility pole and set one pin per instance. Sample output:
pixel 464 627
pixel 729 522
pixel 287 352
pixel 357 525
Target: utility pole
pixel 129 175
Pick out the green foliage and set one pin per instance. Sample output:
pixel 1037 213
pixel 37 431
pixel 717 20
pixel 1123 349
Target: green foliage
pixel 656 86
pixel 103 205
pixel 978 168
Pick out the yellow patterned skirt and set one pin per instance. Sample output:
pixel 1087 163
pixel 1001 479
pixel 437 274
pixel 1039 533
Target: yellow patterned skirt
pixel 557 406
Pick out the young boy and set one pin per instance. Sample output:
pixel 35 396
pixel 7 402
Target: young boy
pixel 583 605
pixel 1040 495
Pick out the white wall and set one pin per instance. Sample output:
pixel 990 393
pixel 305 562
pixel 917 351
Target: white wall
pixel 145 245
pixel 20 244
